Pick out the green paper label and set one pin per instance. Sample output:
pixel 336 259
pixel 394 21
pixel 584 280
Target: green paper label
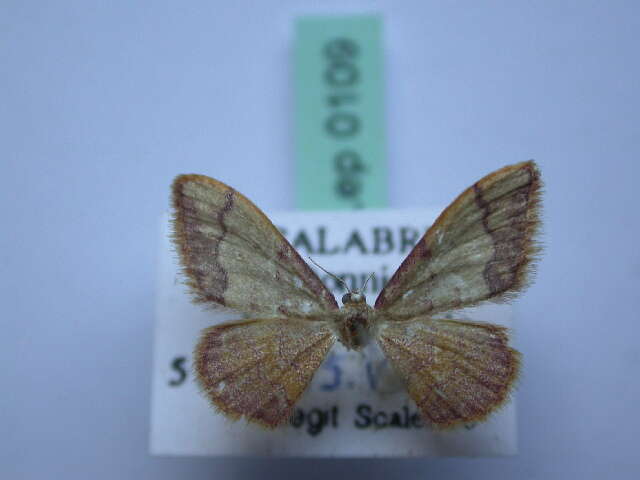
pixel 339 127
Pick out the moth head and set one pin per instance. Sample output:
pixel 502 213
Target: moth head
pixel 353 297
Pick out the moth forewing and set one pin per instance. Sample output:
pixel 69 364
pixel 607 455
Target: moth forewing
pixel 480 248
pixel 233 256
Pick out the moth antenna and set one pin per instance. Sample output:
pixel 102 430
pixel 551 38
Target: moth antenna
pixel 366 281
pixel 331 274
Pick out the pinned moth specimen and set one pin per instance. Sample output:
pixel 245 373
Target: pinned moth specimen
pixel 481 248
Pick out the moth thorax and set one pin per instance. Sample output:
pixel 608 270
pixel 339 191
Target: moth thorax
pixel 353 327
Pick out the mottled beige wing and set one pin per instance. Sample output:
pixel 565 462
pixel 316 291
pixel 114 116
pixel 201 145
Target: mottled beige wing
pixel 456 372
pixel 233 256
pixel 480 248
pixel 257 369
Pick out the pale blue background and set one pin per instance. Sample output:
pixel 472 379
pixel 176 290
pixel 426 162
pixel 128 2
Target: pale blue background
pixel 102 103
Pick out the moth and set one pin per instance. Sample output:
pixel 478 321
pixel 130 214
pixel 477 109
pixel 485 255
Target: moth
pixel 481 248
